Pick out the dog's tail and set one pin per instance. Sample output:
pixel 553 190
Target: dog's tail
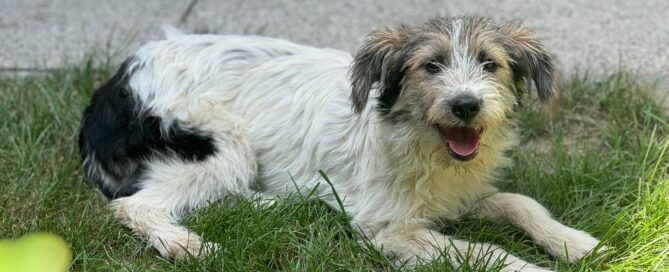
pixel 171 32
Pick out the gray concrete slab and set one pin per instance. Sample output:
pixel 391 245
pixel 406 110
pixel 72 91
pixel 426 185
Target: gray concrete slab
pixel 50 33
pixel 595 35
pixel 589 35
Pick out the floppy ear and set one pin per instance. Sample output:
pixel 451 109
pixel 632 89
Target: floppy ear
pixel 530 61
pixel 378 62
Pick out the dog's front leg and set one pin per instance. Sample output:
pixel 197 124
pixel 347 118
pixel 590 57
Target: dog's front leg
pixel 527 214
pixel 410 244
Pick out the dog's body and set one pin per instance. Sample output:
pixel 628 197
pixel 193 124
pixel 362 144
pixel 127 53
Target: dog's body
pixel 195 118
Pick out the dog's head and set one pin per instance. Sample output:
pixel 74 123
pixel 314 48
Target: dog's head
pixel 458 77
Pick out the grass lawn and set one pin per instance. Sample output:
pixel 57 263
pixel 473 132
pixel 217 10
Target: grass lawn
pixel 599 165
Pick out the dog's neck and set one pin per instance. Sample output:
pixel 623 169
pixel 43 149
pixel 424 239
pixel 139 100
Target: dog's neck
pixel 428 184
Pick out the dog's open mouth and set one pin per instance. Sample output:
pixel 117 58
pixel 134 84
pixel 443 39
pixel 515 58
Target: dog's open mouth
pixel 462 142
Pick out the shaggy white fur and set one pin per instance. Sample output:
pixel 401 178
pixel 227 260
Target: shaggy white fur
pixel 277 112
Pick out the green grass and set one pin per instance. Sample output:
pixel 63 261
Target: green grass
pixel 598 165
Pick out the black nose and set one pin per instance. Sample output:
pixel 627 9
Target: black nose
pixel 465 107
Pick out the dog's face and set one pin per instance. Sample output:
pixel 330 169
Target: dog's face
pixel 459 77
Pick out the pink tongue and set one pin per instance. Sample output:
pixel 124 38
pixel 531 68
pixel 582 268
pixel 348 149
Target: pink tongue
pixel 462 141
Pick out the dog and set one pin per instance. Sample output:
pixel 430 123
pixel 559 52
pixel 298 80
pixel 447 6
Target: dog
pixel 411 129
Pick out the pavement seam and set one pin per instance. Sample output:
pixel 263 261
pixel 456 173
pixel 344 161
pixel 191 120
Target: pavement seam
pixel 25 70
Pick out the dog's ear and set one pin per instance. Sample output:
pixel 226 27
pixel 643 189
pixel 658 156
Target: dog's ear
pixel 378 63
pixel 530 61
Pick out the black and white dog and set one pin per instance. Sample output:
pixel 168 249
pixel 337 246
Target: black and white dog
pixel 411 129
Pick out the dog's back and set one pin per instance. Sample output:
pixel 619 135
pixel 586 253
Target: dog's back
pixel 282 92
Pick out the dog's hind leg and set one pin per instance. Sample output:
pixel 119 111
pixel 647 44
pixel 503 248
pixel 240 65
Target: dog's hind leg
pixel 172 187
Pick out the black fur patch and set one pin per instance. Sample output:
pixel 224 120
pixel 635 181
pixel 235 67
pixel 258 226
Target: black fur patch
pixel 391 91
pixel 116 138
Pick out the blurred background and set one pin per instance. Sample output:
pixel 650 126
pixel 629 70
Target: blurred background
pixel 584 35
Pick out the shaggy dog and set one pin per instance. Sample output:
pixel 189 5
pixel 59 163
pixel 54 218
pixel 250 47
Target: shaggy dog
pixel 411 129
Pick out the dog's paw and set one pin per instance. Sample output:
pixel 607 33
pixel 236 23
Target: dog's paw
pixel 535 269
pixel 571 245
pixel 208 248
pixel 522 266
pixel 190 247
pixel 529 268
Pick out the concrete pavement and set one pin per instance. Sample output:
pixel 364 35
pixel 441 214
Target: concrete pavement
pixel 596 35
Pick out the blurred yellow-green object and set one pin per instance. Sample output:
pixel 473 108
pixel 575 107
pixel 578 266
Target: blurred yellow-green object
pixel 37 252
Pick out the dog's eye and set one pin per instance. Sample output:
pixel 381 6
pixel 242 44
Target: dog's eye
pixel 432 67
pixel 490 66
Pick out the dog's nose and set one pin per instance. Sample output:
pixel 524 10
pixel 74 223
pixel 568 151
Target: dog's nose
pixel 465 107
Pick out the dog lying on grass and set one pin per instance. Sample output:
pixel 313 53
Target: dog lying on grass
pixel 411 129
